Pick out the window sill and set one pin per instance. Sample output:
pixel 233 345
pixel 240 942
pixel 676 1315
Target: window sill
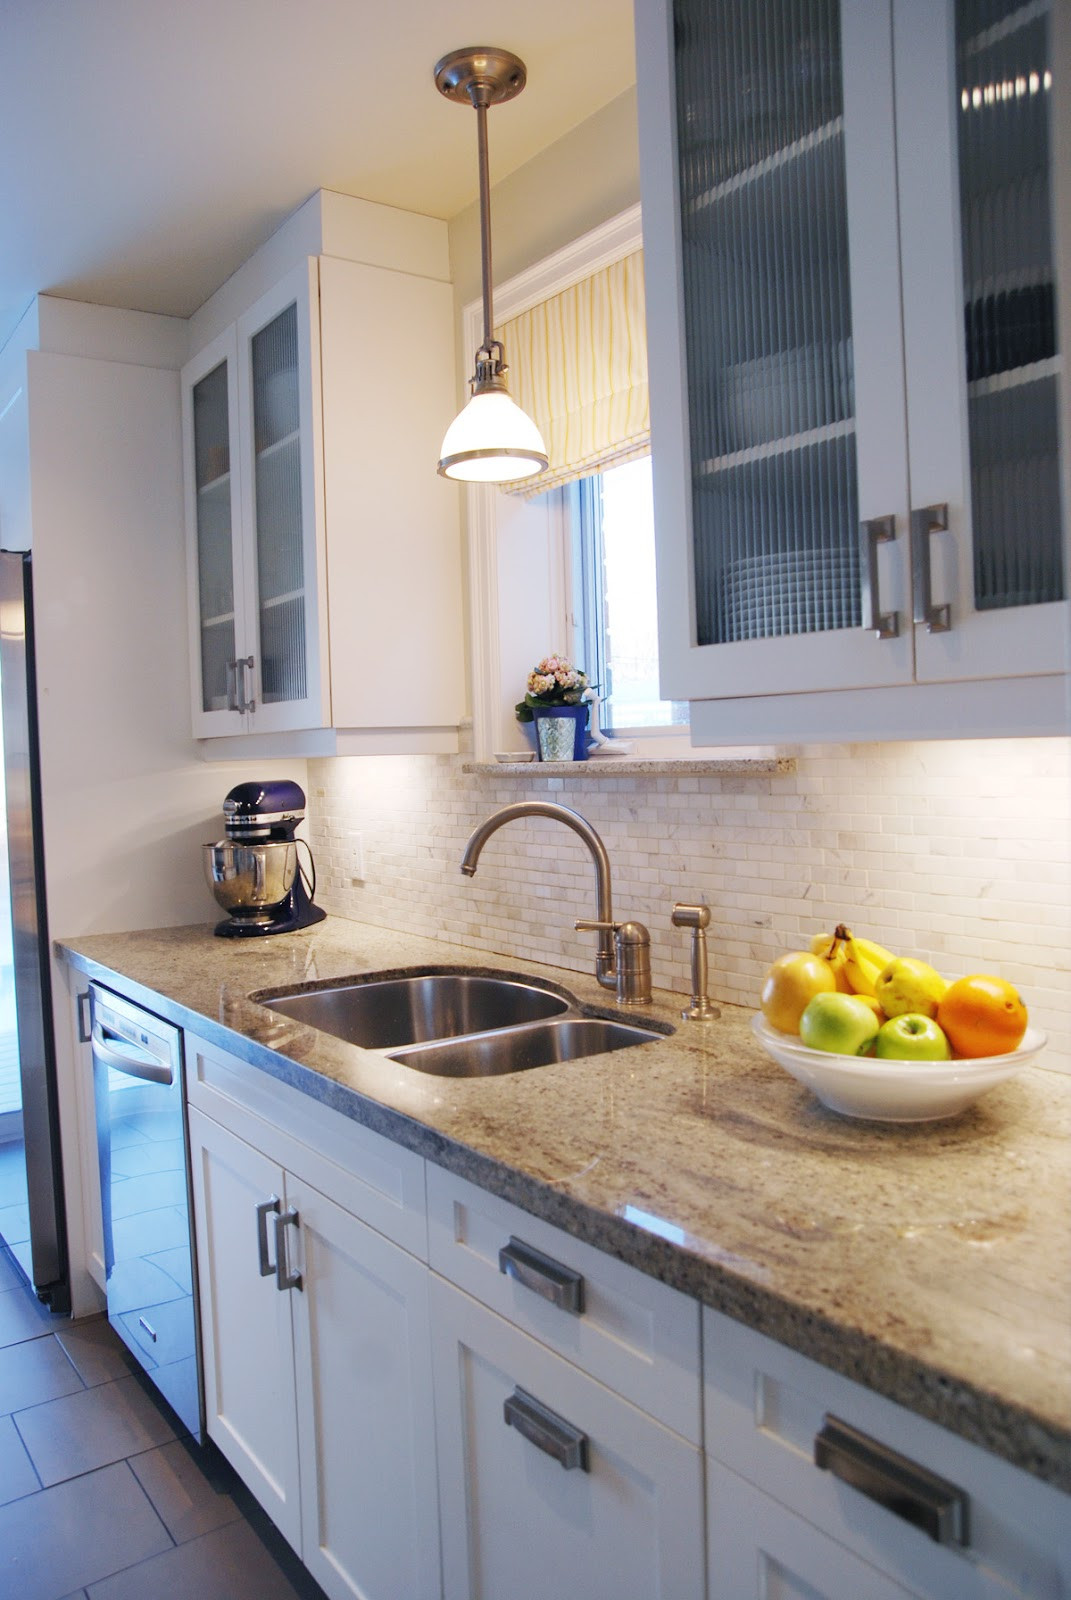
pixel 601 767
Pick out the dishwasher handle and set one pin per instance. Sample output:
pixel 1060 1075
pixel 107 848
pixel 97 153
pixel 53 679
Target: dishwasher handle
pixel 132 1066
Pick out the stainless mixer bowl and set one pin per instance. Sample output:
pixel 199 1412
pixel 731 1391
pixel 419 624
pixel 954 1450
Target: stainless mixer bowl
pixel 251 880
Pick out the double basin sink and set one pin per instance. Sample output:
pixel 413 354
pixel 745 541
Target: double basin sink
pixel 458 1025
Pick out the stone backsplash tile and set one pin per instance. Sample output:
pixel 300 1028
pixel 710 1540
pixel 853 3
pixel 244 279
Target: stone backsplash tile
pixel 958 852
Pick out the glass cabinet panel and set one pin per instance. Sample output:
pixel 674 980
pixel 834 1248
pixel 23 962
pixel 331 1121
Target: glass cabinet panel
pixel 1004 87
pixel 767 312
pixel 278 510
pixel 215 552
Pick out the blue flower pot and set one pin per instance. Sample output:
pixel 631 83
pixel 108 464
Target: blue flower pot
pixel 561 733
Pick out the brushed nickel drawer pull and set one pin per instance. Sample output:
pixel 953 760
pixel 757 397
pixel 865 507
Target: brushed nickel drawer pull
pixel 543 1275
pixel 909 1491
pixel 546 1430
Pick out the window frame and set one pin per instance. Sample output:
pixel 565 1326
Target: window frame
pixel 488 607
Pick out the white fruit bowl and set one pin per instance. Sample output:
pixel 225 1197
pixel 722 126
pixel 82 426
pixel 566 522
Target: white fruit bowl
pixel 893 1091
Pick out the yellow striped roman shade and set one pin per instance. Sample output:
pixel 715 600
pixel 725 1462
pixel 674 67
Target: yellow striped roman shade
pixel 578 366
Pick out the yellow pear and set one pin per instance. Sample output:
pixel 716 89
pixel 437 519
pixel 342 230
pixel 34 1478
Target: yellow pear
pixel 908 984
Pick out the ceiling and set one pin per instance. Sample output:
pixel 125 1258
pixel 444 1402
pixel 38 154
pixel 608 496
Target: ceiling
pixel 149 149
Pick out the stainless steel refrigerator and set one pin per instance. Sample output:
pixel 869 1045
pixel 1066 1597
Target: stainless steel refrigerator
pixel 43 1255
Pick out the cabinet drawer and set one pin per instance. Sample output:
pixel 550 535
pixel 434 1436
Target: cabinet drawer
pixel 764 1405
pixel 373 1178
pixel 550 1484
pixel 631 1332
pixel 757 1550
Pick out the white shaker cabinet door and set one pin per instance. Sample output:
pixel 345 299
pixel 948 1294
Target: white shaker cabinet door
pixel 370 1519
pixel 245 1320
pixel 550 1485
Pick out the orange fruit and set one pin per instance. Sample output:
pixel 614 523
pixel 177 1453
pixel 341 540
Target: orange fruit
pixel 790 983
pixel 982 1016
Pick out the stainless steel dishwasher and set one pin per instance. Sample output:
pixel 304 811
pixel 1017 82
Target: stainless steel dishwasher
pixel 143 1150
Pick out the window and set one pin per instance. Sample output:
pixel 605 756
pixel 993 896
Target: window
pixel 533 590
pixel 610 519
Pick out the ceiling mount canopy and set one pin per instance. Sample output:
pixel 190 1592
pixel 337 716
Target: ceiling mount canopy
pixel 492 440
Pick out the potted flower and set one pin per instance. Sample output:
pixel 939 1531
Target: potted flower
pixel 554 703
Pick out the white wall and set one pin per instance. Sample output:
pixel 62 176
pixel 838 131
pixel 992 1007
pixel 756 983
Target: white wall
pixel 956 852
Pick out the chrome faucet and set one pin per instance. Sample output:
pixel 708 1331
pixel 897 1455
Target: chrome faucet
pixel 623 962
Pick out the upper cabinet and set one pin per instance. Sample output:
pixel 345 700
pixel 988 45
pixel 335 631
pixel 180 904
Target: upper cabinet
pixel 852 230
pixel 255 514
pixel 324 571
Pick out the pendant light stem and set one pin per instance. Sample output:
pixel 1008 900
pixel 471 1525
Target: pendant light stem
pixel 485 217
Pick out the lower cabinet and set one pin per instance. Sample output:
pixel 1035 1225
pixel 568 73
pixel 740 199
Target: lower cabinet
pixel 528 1419
pixel 317 1377
pixel 550 1484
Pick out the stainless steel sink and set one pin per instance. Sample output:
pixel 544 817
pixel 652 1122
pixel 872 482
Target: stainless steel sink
pixel 381 1013
pixel 517 1049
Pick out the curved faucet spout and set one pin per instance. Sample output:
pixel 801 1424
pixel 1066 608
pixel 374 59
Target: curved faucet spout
pixel 605 968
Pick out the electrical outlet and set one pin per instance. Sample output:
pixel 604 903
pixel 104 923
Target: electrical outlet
pixel 356 856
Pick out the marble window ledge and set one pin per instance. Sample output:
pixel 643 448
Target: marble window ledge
pixel 600 767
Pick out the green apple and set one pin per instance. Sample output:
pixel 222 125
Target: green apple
pixel 908 984
pixel 842 1024
pixel 912 1037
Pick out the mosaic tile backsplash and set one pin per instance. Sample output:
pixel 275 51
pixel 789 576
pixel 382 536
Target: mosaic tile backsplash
pixel 959 853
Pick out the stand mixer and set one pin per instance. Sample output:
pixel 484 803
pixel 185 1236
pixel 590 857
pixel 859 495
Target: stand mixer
pixel 254 872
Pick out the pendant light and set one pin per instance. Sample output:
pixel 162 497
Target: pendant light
pixel 492 440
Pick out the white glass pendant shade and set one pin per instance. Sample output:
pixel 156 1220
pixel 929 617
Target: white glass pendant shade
pixel 492 441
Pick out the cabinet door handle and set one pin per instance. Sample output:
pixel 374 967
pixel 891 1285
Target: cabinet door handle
pixel 542 1274
pixel 243 665
pixel 546 1430
pixel 284 1278
pixel 924 523
pixel 909 1491
pixel 265 1208
pixel 878 530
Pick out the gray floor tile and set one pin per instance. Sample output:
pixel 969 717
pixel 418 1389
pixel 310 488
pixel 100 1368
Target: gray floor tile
pixel 33 1372
pixel 96 1350
pixel 12 1173
pixel 22 1316
pixel 148 1193
pixel 189 1500
pixel 10 1276
pixel 233 1563
pixel 17 1476
pixel 81 1431
pixel 76 1533
pixel 132 1160
pixel 15 1223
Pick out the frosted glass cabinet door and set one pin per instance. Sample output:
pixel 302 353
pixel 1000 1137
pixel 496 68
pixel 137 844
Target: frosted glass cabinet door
pixel 987 407
pixel 210 411
pixel 768 177
pixel 278 347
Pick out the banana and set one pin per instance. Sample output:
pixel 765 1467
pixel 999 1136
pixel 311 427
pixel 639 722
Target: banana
pixel 864 960
pixel 833 948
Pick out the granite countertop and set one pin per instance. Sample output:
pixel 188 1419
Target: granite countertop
pixel 931 1263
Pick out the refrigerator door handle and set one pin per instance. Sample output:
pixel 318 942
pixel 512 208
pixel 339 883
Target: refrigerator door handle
pixel 85 1026
pixel 133 1066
